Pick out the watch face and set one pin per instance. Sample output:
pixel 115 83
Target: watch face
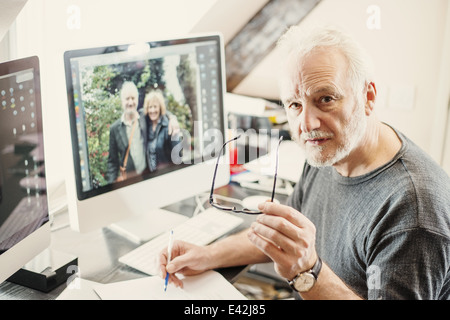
pixel 304 282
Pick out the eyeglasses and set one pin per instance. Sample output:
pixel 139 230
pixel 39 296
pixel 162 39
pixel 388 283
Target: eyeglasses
pixel 234 209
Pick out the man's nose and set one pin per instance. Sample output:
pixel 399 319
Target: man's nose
pixel 309 120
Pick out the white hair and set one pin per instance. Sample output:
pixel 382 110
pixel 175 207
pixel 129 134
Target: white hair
pixel 128 87
pixel 301 41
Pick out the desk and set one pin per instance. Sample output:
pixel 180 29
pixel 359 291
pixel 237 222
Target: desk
pixel 98 251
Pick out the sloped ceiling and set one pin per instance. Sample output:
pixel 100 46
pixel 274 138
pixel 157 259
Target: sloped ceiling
pixel 229 17
pixel 9 9
pixel 251 31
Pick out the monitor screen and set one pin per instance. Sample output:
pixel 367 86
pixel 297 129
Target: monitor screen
pixel 23 194
pixel 141 117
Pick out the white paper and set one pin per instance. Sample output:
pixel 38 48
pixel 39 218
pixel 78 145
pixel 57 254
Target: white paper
pixel 209 285
pixel 80 289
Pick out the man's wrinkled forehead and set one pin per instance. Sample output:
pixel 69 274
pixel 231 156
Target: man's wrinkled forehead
pixel 317 71
pixel 127 93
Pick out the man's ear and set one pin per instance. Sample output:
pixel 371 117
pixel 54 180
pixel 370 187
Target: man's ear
pixel 371 96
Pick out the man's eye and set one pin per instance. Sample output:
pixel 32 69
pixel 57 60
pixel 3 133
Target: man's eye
pixel 295 106
pixel 326 99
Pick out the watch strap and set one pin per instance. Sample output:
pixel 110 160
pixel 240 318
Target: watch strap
pixel 315 270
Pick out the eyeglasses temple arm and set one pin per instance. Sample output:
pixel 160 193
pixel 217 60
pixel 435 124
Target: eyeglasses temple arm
pixel 211 200
pixel 276 170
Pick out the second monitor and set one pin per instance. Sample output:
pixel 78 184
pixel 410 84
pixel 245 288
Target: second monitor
pixel 147 121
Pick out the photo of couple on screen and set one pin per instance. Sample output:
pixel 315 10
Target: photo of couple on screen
pixel 135 115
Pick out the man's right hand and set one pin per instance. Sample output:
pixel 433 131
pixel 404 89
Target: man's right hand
pixel 187 259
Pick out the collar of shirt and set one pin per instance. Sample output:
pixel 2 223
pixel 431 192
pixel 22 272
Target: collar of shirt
pixel 128 123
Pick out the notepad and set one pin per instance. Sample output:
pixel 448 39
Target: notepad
pixel 209 285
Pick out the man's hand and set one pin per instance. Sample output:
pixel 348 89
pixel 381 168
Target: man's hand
pixel 287 237
pixel 174 126
pixel 187 259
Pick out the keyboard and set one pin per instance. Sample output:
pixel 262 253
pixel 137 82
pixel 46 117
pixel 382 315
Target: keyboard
pixel 201 229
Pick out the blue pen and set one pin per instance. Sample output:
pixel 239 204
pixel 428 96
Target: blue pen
pixel 169 253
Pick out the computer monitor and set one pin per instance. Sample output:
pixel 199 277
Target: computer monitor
pixel 24 221
pixel 189 73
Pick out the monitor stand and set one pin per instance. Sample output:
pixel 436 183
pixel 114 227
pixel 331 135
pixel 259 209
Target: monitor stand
pixel 46 271
pixel 141 228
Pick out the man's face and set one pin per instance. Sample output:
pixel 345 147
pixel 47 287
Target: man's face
pixel 129 102
pixel 321 107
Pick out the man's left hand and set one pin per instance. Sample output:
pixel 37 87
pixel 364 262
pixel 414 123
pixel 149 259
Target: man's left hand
pixel 286 236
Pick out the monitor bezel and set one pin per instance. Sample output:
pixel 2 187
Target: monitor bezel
pixel 85 52
pixel 37 241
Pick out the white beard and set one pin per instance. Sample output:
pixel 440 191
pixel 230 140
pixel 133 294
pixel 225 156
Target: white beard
pixel 352 135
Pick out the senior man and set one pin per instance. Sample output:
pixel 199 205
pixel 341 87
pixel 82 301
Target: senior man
pixel 370 216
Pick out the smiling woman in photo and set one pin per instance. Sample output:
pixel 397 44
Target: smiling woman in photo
pixel 160 141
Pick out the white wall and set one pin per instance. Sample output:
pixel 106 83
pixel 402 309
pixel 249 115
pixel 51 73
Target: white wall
pixel 47 28
pixel 446 151
pixel 407 52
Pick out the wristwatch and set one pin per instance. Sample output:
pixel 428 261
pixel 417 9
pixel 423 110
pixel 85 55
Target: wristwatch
pixel 304 281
